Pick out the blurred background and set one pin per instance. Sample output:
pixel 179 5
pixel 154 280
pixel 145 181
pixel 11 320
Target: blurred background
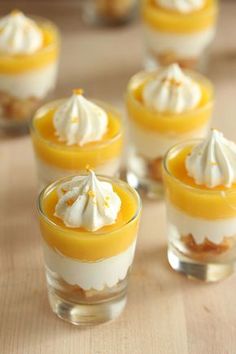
pixel 101 59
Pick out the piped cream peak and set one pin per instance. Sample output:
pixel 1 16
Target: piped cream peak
pixel 213 162
pixel 19 34
pixel 79 121
pixel 87 202
pixel 172 91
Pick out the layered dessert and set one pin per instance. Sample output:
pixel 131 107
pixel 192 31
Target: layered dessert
pixel 200 179
pixel 179 31
pixel 72 134
pixel 28 66
pixel 109 12
pixel 164 107
pixel 89 228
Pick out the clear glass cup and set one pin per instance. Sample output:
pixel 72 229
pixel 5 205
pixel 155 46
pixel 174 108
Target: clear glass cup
pixel 109 12
pixel 201 222
pixel 55 160
pixel 27 80
pixel 87 273
pixel 153 134
pixel 172 37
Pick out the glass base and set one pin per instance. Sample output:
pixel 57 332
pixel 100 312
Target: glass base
pixel 108 14
pixel 146 187
pixel 209 272
pixel 86 314
pixel 145 175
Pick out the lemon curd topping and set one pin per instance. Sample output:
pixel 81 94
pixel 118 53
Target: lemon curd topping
pixel 168 122
pixel 55 152
pixel 197 200
pixel 91 246
pixel 20 63
pixel 175 22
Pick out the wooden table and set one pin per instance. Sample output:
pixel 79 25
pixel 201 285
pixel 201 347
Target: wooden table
pixel 166 313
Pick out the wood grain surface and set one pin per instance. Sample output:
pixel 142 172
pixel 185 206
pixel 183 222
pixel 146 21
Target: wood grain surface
pixel 166 313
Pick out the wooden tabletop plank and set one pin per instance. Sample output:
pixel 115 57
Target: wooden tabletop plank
pixel 166 313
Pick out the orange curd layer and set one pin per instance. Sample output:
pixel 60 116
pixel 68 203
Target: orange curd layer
pixel 84 245
pixel 18 64
pixel 172 21
pixel 51 150
pixel 167 122
pixel 196 200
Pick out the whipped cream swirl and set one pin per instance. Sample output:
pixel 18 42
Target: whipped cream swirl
pixel 213 162
pixel 86 202
pixel 79 121
pixel 171 91
pixel 184 6
pixel 19 34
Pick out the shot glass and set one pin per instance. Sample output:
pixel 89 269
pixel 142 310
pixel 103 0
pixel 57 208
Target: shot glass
pixel 152 133
pixel 87 272
pixel 109 12
pixel 201 222
pixel 55 159
pixel 27 80
pixel 175 37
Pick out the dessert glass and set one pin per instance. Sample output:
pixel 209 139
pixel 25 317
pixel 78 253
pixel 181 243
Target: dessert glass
pixel 87 272
pixel 153 134
pixel 109 12
pixel 201 221
pixel 55 159
pixel 26 80
pixel 174 37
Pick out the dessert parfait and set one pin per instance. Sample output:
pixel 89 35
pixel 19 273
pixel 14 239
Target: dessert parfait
pixel 109 12
pixel 28 67
pixel 164 107
pixel 179 31
pixel 200 180
pixel 72 134
pixel 89 227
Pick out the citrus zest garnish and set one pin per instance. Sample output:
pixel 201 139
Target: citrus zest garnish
pixel 69 202
pixel 106 204
pixel 172 82
pixel 74 120
pixel 88 169
pixel 78 91
pixel 15 12
pixel 91 194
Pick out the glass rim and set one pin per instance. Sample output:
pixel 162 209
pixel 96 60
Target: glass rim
pixel 37 19
pixel 150 73
pixel 190 142
pixel 118 181
pixel 97 144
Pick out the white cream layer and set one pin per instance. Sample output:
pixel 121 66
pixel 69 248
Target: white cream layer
pixel 182 224
pixel 48 173
pixel 189 45
pixel 90 275
pixel 153 145
pixel 34 83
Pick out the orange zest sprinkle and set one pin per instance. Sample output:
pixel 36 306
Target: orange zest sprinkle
pixel 78 91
